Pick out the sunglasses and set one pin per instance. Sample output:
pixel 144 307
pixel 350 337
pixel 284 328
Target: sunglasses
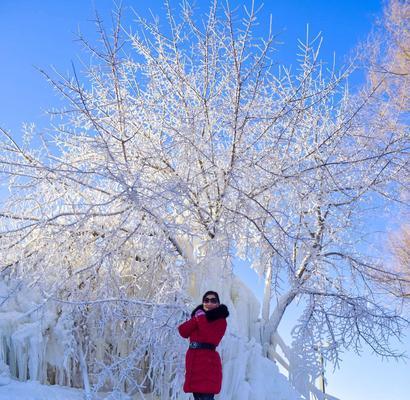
pixel 212 300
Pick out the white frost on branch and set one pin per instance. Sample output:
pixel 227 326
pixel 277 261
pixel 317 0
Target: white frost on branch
pixel 176 152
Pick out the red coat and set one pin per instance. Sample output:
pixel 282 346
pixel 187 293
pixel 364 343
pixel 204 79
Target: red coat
pixel 203 368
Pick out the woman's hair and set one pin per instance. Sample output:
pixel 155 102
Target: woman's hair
pixel 211 292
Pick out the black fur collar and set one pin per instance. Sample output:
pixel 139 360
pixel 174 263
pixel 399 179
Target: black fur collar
pixel 217 313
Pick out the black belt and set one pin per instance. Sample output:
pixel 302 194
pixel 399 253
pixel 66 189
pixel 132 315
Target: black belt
pixel 199 345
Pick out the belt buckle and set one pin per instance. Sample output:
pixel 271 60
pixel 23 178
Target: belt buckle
pixel 194 345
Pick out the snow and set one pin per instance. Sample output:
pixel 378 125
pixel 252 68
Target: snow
pixel 250 384
pixel 33 390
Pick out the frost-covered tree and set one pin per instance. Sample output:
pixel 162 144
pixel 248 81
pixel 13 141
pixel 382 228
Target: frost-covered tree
pixel 386 58
pixel 400 244
pixel 179 149
pixel 386 54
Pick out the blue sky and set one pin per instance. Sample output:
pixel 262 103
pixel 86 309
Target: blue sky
pixel 41 33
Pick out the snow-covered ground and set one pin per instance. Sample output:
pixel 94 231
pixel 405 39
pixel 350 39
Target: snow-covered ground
pixel 32 390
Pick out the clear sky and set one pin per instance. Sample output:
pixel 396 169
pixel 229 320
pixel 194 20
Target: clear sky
pixel 41 33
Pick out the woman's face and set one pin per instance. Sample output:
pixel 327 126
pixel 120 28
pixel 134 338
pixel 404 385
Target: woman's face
pixel 210 302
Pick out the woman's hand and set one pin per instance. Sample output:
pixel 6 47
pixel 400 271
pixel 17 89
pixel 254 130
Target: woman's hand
pixel 198 313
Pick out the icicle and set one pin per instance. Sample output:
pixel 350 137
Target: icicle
pixel 4 374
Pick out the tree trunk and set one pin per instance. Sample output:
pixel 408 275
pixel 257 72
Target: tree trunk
pixel 272 325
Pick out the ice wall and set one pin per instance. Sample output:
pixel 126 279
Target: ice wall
pixel 4 374
pixel 245 309
pixel 32 343
pixel 247 375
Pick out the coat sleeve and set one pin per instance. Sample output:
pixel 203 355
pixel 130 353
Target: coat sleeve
pixel 186 329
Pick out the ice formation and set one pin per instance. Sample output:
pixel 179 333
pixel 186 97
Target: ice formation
pixel 4 374
pixel 250 376
pixel 36 345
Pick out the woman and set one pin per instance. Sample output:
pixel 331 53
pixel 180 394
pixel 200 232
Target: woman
pixel 205 329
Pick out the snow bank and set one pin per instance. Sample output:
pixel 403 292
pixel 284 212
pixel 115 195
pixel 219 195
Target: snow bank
pixel 33 390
